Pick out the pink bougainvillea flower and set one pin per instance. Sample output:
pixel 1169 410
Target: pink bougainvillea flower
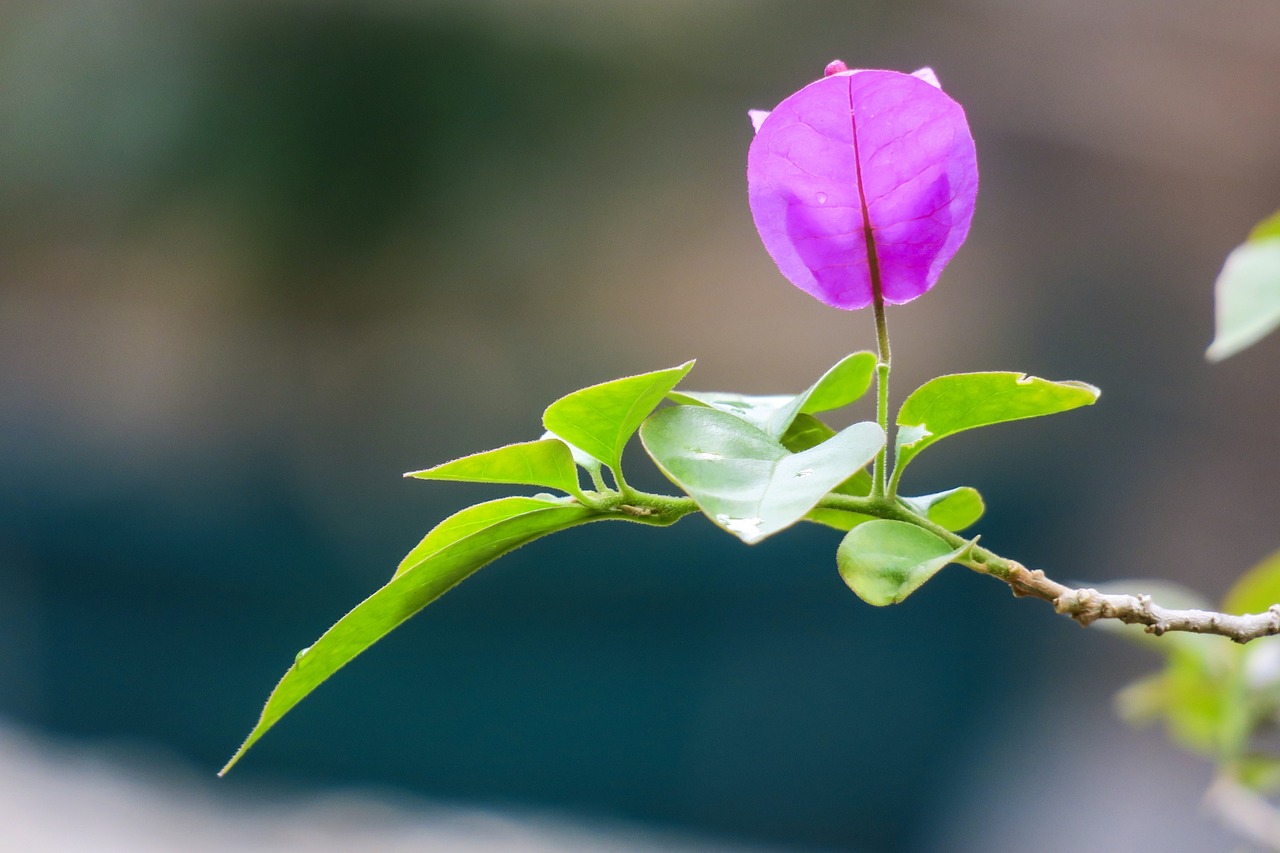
pixel 863 180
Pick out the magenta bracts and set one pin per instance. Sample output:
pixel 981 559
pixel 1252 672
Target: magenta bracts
pixel 863 180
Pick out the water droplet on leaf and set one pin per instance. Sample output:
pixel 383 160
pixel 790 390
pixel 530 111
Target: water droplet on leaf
pixel 746 529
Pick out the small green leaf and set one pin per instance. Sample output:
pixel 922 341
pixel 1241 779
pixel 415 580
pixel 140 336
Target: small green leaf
pixel 840 519
pixel 1247 294
pixel 1256 590
pixel 599 420
pixel 848 380
pixel 805 431
pixel 545 462
pixel 406 594
pixel 961 401
pixel 470 520
pixel 581 458
pixel 745 481
pixel 884 561
pixel 954 509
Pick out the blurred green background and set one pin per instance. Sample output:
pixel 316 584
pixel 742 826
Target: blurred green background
pixel 259 258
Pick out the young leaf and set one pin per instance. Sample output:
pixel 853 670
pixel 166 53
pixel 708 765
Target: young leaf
pixel 468 521
pixel 407 593
pixel 1257 589
pixel 601 419
pixel 884 561
pixel 848 380
pixel 1247 292
pixel 545 462
pixel 954 509
pixel 745 481
pixel 581 458
pixel 961 401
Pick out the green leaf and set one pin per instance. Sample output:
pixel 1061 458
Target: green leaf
pixel 840 519
pixel 581 458
pixel 961 401
pixel 1256 590
pixel 470 520
pixel 848 380
pixel 745 481
pixel 545 462
pixel 805 431
pixel 954 509
pixel 406 594
pixel 599 420
pixel 884 561
pixel 1266 229
pixel 1247 295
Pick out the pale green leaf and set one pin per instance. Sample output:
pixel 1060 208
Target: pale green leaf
pixel 1246 297
pixel 745 481
pixel 848 380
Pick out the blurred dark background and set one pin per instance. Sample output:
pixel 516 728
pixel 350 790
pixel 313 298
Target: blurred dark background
pixel 259 258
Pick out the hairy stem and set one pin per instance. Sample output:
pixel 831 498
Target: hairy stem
pixel 1084 605
pixel 879 471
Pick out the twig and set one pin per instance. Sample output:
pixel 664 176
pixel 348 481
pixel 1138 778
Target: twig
pixel 1086 606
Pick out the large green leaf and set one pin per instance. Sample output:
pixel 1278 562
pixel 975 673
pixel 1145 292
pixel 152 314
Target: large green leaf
pixel 408 592
pixel 545 462
pixel 884 561
pixel 744 480
pixel 961 401
pixel 848 380
pixel 1247 292
pixel 601 419
pixel 1256 590
pixel 468 521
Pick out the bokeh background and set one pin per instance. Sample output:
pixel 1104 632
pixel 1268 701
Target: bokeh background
pixel 259 258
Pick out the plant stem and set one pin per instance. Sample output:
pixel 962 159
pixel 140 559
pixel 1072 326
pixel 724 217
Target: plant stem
pixel 879 472
pixel 1084 605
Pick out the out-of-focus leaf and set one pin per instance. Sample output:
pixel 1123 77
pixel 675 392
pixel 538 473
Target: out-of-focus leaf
pixel 546 462
pixel 961 401
pixel 1266 229
pixel 954 509
pixel 884 561
pixel 600 419
pixel 1247 294
pixel 745 481
pixel 1261 773
pixel 408 592
pixel 1257 589
pixel 848 380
